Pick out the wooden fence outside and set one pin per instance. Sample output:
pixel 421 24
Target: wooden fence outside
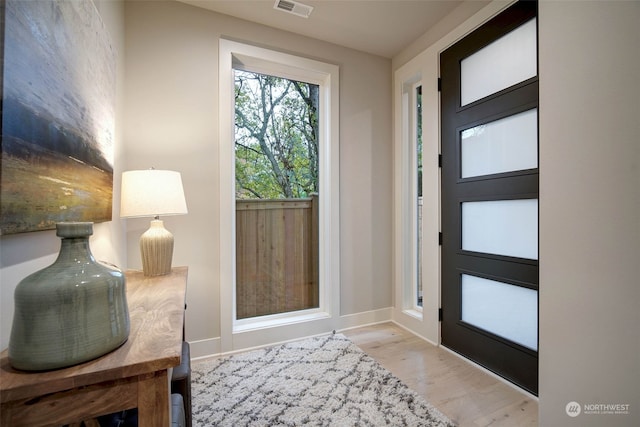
pixel 276 256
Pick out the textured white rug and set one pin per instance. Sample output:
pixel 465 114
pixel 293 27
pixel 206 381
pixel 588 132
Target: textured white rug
pixel 322 381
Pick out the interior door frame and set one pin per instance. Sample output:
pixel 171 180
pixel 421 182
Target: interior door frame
pixel 425 67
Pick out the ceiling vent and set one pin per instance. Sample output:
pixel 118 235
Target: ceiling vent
pixel 293 7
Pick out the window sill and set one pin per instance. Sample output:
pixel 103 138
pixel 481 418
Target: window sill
pixel 281 319
pixel 414 312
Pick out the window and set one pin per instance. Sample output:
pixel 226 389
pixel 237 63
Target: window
pixel 239 332
pixel 411 201
pixel 277 194
pixel 417 297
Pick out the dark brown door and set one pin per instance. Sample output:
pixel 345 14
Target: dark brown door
pixel 489 103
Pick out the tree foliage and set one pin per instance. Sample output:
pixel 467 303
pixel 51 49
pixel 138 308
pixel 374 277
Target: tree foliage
pixel 276 137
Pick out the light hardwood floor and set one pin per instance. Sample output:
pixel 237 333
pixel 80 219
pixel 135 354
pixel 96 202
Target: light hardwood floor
pixel 461 391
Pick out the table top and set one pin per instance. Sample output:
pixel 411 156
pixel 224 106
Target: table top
pixel 156 312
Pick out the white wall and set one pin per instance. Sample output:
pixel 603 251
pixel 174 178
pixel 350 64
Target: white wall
pixel 172 122
pixel 589 210
pixel 23 254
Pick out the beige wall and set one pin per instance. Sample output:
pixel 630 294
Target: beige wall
pixel 589 210
pixel 23 254
pixel 172 122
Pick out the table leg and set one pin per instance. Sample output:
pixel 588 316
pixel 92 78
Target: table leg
pixel 153 400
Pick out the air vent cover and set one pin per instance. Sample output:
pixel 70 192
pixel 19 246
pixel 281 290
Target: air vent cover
pixel 293 7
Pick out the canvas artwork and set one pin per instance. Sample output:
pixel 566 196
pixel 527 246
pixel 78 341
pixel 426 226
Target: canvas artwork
pixel 57 115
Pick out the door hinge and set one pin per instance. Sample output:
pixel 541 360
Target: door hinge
pixel 440 238
pixel 439 160
pixel 440 315
pixel 439 84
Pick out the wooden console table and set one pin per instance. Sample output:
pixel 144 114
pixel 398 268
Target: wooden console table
pixel 134 375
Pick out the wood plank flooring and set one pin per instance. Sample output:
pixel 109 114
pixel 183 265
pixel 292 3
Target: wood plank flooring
pixel 464 393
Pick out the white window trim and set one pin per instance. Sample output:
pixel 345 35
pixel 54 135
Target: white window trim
pixel 247 333
pixel 424 67
pixel 423 322
pixel 406 200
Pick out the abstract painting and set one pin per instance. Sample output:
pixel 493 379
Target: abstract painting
pixel 58 113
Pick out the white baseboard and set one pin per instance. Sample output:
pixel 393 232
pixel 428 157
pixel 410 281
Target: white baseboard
pixel 408 329
pixel 202 349
pixel 364 318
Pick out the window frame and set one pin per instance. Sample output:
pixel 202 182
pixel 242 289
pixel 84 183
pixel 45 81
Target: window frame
pixel 408 200
pixel 424 322
pixel 236 334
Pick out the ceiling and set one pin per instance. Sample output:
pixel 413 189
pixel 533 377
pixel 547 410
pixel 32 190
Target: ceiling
pixel 380 27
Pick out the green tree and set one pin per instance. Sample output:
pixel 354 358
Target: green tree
pixel 276 137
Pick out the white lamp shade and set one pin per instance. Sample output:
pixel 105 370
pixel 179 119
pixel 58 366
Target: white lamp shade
pixel 152 192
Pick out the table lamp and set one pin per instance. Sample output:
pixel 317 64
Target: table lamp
pixel 152 193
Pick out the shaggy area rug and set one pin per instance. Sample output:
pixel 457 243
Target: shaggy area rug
pixel 322 381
